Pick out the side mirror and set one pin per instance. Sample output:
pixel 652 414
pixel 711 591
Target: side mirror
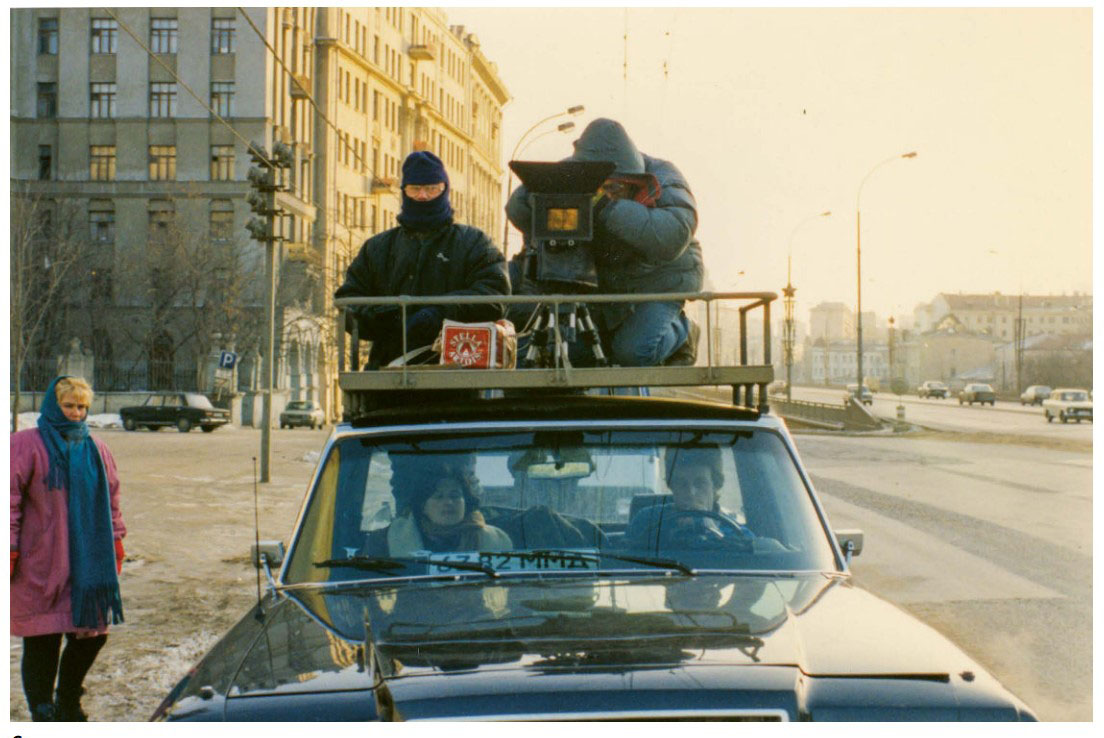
pixel 850 542
pixel 273 552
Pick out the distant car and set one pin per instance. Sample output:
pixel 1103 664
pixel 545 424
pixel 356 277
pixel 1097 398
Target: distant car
pixel 302 412
pixel 1035 394
pixel 1068 404
pixel 931 388
pixel 981 393
pixel 182 410
pixel 866 398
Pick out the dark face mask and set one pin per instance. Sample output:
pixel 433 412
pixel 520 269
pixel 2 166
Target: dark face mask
pixel 426 215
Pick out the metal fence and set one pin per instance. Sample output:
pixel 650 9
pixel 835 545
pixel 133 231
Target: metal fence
pixel 112 376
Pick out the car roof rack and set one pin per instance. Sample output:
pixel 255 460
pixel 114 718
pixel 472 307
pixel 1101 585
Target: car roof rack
pixel 748 380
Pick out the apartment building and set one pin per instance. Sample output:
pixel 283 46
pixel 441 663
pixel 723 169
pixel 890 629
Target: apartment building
pixel 996 314
pixel 105 116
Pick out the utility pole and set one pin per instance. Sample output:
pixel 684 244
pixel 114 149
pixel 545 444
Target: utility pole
pixel 267 178
pixel 1019 338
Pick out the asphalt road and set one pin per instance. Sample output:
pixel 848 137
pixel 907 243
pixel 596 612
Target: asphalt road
pixel 948 415
pixel 990 543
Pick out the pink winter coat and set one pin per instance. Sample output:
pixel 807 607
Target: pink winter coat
pixel 40 602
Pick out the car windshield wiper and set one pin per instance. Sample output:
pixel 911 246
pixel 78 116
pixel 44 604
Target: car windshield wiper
pixel 655 561
pixel 376 563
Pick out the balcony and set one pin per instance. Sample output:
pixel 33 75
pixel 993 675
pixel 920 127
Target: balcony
pixel 382 184
pixel 300 87
pixel 421 52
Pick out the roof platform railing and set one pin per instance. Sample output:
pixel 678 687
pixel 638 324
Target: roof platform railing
pixel 748 380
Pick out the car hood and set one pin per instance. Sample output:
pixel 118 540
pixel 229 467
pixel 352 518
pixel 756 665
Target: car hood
pixel 654 645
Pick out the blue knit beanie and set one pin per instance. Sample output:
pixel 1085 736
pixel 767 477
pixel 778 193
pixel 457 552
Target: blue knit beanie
pixel 422 168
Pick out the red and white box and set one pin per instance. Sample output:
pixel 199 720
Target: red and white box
pixel 477 345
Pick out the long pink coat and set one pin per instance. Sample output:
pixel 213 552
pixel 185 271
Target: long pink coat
pixel 40 602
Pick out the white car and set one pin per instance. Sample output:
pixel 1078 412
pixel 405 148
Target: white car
pixel 302 412
pixel 1068 404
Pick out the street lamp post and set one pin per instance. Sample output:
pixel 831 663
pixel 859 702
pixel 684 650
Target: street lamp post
pixel 788 303
pixel 563 127
pixel 858 262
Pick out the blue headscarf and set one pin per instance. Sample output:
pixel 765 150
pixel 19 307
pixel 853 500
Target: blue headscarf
pixel 76 466
pixel 422 167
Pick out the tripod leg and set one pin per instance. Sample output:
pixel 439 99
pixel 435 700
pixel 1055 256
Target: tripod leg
pixel 537 337
pixel 593 338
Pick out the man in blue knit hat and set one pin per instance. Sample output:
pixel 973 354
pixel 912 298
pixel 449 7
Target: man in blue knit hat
pixel 426 254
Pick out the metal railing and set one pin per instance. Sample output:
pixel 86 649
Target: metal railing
pixel 748 380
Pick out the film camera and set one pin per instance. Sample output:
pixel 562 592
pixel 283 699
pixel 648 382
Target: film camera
pixel 557 259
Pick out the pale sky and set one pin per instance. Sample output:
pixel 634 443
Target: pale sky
pixel 777 115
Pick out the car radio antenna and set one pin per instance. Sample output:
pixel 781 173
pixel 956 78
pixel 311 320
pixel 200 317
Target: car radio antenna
pixel 257 540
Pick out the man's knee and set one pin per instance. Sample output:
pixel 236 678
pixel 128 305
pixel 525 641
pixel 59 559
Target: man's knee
pixel 639 349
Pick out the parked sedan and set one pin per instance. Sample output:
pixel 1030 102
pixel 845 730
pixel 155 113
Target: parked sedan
pixel 932 388
pixel 1035 394
pixel 981 393
pixel 182 410
pixel 1068 404
pixel 302 412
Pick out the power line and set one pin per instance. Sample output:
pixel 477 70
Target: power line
pixel 340 135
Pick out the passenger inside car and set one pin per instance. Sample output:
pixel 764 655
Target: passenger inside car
pixel 438 510
pixel 691 515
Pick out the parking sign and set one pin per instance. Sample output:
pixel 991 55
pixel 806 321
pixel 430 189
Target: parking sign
pixel 227 359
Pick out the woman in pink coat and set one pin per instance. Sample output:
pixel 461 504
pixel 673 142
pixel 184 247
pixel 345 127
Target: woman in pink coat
pixel 66 550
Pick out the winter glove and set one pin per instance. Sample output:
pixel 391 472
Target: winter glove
pixel 119 555
pixel 376 322
pixel 14 558
pixel 422 328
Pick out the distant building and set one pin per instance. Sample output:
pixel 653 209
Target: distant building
pixel 995 314
pixel 102 115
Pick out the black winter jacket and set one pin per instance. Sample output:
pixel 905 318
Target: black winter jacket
pixel 453 260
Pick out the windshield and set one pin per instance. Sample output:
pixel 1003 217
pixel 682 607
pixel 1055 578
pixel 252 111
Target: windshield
pixel 570 502
pixel 199 401
pixel 298 405
pixel 1075 396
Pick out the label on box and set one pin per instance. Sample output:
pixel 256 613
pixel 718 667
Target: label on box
pixel 469 345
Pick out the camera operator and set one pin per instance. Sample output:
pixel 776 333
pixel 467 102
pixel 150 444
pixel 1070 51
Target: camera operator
pixel 644 222
pixel 426 254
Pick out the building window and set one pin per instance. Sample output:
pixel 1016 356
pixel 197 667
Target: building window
pixel 103 100
pixel 162 99
pixel 222 98
pixel 222 35
pixel 105 32
pixel 162 162
pixel 47 99
pixel 222 222
pixel 163 35
pixel 48 36
pixel 102 163
pixel 102 284
pixel 101 224
pixel 45 162
pixel 222 162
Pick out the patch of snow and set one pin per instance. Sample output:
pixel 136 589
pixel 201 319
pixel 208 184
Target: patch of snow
pixel 103 420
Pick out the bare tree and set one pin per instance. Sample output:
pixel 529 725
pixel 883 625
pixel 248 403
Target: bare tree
pixel 194 286
pixel 48 243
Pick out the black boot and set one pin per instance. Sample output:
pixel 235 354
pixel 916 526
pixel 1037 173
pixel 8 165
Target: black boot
pixel 687 353
pixel 69 707
pixel 44 712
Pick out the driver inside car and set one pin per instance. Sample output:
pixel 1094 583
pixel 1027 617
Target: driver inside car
pixel 692 518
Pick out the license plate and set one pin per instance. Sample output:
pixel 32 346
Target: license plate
pixel 518 560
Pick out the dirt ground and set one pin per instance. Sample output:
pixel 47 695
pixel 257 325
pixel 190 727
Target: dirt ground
pixel 187 502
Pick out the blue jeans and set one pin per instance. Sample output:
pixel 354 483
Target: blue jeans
pixel 650 334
